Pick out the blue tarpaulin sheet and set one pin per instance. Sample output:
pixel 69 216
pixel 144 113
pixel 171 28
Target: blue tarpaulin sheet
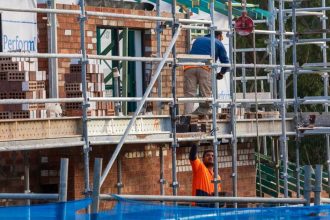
pixel 128 209
pixel 51 211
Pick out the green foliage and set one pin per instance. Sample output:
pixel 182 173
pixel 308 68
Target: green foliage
pixel 313 149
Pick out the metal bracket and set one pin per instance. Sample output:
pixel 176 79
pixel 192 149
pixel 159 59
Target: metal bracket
pixel 119 185
pixel 175 185
pixel 284 175
pixel 212 131
pixel 166 24
pixel 215 105
pixel 283 139
pixel 213 28
pixel 82 18
pixel 230 33
pixel 216 181
pixel 322 46
pixel 160 28
pixel 84 61
pixel 86 105
pixel 214 65
pixel 87 193
pixel 86 150
pixel 324 18
pixel 174 145
pixel 233 105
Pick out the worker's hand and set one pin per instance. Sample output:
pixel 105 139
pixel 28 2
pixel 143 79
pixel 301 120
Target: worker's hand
pixel 195 143
pixel 219 76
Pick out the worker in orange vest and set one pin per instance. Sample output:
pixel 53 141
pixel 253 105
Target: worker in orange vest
pixel 203 174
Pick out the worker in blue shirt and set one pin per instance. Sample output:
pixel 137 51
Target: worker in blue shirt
pixel 202 75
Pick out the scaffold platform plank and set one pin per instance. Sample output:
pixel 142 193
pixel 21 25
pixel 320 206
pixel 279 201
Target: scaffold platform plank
pixel 26 134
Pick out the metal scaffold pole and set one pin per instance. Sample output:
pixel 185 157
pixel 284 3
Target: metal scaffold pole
pixel 283 142
pixel 27 190
pixel 325 83
pixel 159 53
pixel 119 184
pixel 85 104
pixel 214 104
pixel 174 105
pixel 256 115
pixel 295 94
pixel 272 48
pixel 233 101
pixel 244 80
pixel 53 62
pixel 162 180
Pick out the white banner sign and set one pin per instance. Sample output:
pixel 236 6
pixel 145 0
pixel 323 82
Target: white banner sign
pixel 19 30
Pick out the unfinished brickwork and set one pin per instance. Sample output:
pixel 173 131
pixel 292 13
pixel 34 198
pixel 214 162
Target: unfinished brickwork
pixel 20 79
pixel 140 162
pixel 69 42
pixel 141 169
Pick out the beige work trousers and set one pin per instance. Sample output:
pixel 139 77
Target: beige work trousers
pixel 192 78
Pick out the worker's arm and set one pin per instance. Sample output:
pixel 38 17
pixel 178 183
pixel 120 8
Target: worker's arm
pixel 222 56
pixel 194 161
pixel 193 152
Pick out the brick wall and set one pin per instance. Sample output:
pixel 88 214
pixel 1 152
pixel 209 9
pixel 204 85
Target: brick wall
pixel 141 169
pixel 140 163
pixel 69 42
pixel 245 164
pixel 12 175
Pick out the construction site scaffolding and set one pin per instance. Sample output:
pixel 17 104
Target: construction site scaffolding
pixel 280 70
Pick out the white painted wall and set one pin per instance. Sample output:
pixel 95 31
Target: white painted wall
pixel 19 30
pixel 68 2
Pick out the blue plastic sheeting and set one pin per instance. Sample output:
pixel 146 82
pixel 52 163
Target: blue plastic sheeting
pixel 125 209
pixel 52 211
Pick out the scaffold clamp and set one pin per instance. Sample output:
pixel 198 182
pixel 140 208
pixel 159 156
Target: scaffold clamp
pixel 84 61
pixel 216 181
pixel 86 105
pixel 87 193
pixel 174 184
pixel 119 185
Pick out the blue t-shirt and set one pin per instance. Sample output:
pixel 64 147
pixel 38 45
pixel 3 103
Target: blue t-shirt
pixel 202 46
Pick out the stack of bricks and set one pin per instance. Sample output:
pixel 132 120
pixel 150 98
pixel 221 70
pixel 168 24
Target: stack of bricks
pixel 194 123
pixel 20 79
pixel 95 88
